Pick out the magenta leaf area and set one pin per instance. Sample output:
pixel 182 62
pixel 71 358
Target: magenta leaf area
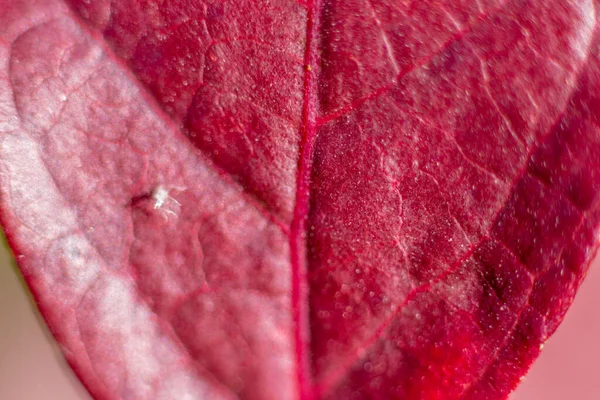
pixel 306 200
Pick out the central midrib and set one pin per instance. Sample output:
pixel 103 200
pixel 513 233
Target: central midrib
pixel 297 242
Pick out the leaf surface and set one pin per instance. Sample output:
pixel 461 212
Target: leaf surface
pixel 300 200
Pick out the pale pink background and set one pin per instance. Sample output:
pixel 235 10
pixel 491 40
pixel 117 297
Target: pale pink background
pixel 32 369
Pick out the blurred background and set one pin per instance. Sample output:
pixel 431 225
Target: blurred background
pixel 31 367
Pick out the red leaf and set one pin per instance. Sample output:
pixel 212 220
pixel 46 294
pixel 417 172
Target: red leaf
pixel 279 200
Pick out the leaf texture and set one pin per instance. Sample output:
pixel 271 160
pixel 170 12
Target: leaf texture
pixel 365 199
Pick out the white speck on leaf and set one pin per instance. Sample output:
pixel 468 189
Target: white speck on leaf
pixel 163 200
pixel 160 196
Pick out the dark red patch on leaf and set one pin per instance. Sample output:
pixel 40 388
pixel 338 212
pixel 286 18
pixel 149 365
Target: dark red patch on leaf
pixel 301 200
